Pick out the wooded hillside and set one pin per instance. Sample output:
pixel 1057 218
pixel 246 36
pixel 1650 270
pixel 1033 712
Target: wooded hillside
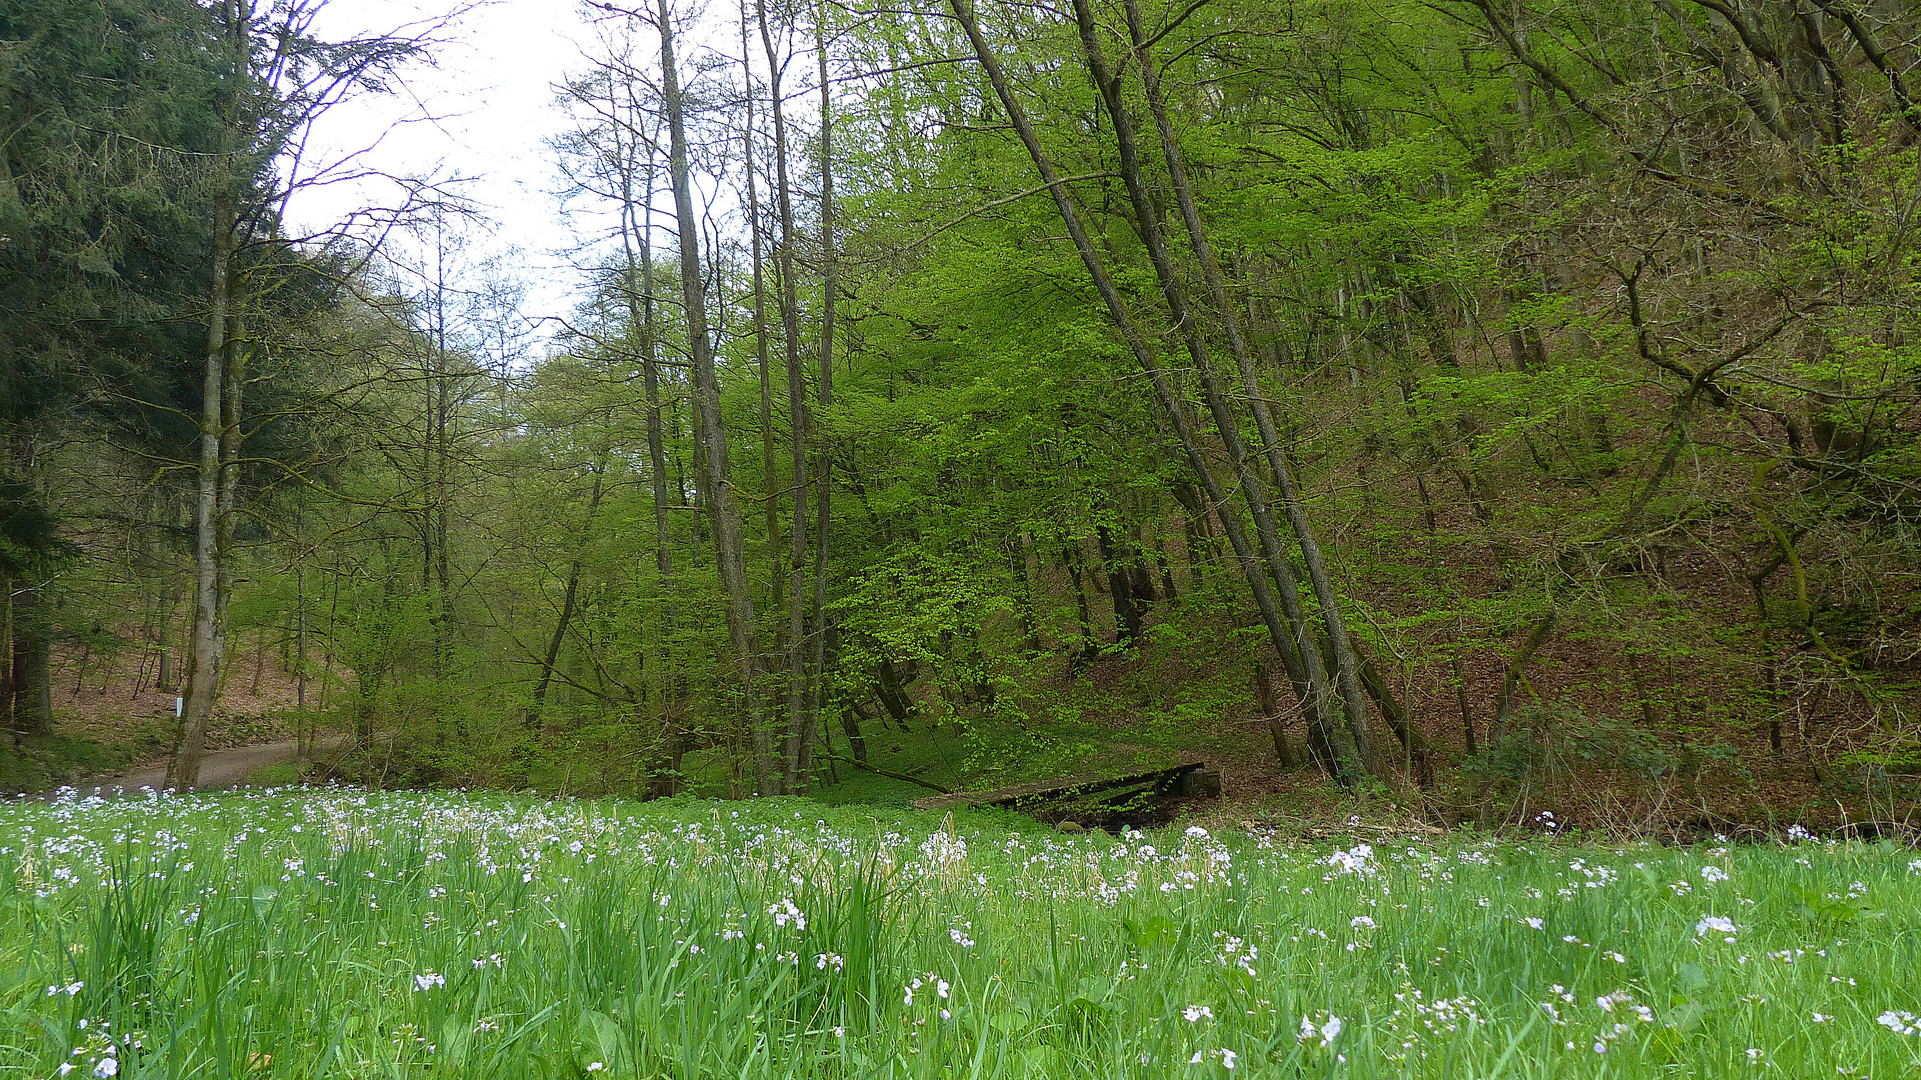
pixel 1488 399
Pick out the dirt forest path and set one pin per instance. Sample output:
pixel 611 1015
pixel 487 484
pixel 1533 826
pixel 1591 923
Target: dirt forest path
pixel 220 769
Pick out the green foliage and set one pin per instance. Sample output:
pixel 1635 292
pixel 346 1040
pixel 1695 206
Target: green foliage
pixel 44 762
pixel 1601 312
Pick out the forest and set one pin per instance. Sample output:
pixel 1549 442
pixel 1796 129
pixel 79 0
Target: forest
pixel 1481 406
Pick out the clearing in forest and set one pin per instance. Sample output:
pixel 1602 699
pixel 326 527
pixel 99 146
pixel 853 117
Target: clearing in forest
pixel 342 933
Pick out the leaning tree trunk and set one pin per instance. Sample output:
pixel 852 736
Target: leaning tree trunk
pixel 569 602
pixel 1172 404
pixel 1346 664
pixel 1147 217
pixel 1516 673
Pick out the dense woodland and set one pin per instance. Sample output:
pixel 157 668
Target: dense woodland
pixel 1474 395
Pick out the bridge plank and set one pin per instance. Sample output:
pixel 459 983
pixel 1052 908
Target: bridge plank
pixel 1065 787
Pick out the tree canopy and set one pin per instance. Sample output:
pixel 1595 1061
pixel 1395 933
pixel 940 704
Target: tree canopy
pixel 1429 396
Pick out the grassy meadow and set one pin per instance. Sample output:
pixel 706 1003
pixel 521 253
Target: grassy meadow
pixel 339 933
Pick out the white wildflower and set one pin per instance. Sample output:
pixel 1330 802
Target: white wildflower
pixel 1326 1031
pixel 1716 924
pixel 785 912
pixel 1359 860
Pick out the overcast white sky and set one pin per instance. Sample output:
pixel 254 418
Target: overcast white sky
pixel 482 110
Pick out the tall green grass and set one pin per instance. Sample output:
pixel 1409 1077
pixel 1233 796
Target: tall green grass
pixel 333 933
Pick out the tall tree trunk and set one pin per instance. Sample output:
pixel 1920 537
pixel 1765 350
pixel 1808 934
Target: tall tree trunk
pixel 1090 646
pixel 443 611
pixel 208 643
pixel 26 646
pixel 217 468
pixel 796 744
pixel 1172 404
pixel 824 396
pixel 893 693
pixel 665 496
pixel 1461 704
pixel 636 238
pixel 1120 585
pixel 29 681
pixel 769 468
pixel 722 505
pixel 1270 706
pixel 303 736
pixel 1019 548
pixel 1199 538
pixel 8 692
pixel 233 379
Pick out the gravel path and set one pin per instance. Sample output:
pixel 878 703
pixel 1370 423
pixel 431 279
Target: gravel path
pixel 220 768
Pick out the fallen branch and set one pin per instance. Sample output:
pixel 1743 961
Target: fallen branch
pixel 890 775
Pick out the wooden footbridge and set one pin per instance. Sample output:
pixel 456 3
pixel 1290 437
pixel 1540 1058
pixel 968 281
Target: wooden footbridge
pixel 1192 778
